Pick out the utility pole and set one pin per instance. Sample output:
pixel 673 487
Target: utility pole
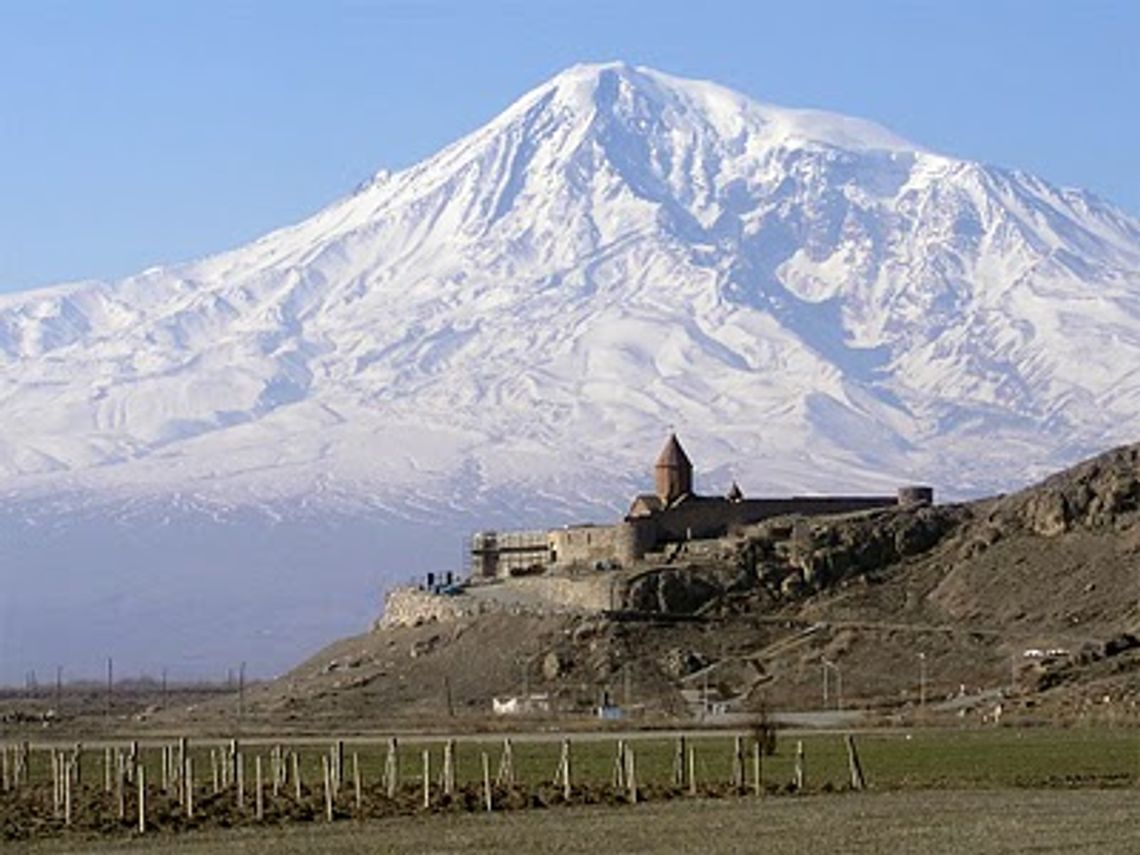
pixel 241 693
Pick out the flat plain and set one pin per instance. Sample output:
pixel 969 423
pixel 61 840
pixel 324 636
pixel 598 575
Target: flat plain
pixel 929 790
pixel 977 821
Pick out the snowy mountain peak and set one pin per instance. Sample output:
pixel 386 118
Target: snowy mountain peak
pixel 647 98
pixel 618 250
pixel 499 336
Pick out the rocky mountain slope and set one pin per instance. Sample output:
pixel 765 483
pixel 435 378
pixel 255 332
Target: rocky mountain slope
pixel 500 334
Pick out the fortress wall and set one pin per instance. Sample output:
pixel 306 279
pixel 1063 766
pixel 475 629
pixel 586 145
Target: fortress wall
pixel 585 546
pixel 703 518
pixel 635 537
pixel 558 593
pixel 755 510
pixel 408 606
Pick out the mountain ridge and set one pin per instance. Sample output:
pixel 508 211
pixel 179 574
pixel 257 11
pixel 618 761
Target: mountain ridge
pixel 501 333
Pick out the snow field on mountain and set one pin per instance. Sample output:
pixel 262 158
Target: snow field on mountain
pixel 504 332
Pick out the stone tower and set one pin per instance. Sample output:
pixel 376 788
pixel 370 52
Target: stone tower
pixel 673 472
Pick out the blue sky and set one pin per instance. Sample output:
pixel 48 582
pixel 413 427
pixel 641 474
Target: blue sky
pixel 136 133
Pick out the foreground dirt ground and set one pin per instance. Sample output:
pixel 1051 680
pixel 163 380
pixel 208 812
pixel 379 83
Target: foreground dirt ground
pixel 1005 821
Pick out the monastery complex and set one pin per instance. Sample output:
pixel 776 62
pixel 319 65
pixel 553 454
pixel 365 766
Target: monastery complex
pixel 672 514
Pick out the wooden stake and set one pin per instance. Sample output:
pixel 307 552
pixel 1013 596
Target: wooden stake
pixel 631 775
pixel 858 782
pixel 239 779
pixel 107 759
pixel 566 769
pixel 339 763
pixel 392 768
pixel 799 779
pixel 183 756
pixel 356 779
pixel 619 766
pixel 505 777
pixel 738 763
pixel 427 779
pixel 448 767
pixel 120 785
pixel 757 769
pixel 188 795
pixel 487 781
pixel 141 775
pixel 679 763
pixel 296 776
pixel 55 790
pixel 214 769
pixel 278 773
pixel 259 803
pixel 67 793
pixel 328 781
pixel 692 771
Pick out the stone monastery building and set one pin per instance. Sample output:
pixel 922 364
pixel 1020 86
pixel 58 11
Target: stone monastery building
pixel 671 514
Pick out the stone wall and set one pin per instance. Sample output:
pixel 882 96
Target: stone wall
pixel 708 517
pixel 585 545
pixel 410 606
pixel 589 593
pixel 538 595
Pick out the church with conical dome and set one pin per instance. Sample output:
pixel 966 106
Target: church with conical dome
pixel 672 514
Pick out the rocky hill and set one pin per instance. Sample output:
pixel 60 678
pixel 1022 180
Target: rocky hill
pixel 1030 600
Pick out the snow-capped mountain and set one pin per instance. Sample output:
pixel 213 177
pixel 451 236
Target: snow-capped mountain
pixel 505 331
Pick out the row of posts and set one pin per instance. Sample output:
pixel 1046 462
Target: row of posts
pixel 123 769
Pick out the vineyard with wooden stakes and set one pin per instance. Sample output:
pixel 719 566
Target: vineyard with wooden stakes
pixel 141 788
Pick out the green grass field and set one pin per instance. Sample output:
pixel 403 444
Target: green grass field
pixel 1001 757
pixel 936 767
pixel 929 822
pixel 919 759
